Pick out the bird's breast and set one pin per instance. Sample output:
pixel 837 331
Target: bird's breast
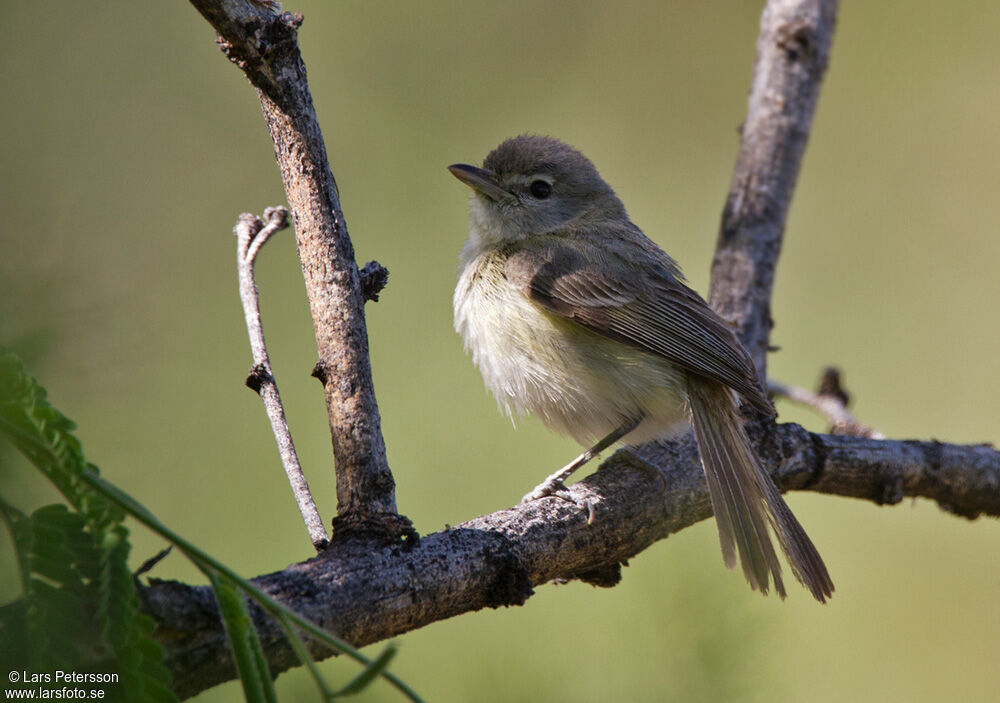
pixel 575 380
pixel 513 342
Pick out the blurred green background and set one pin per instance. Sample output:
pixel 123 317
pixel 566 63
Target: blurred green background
pixel 129 145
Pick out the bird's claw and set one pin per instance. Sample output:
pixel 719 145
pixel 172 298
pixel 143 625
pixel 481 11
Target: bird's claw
pixel 557 489
pixel 546 489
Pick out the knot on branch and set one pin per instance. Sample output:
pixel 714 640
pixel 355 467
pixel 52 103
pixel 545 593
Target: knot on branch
pixel 258 376
pixel 279 35
pixel 365 528
pixel 891 491
pixel 374 277
pixel 321 371
pixel 607 576
pixel 797 38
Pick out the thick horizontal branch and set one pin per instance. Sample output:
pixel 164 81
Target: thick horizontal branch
pixel 365 596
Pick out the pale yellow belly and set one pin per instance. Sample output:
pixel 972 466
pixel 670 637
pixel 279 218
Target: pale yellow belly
pixel 576 381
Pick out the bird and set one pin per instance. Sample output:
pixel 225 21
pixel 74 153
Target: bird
pixel 572 314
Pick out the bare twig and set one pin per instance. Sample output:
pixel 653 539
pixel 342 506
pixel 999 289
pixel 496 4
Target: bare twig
pixel 500 558
pixel 792 53
pixel 252 234
pixel 830 401
pixel 264 45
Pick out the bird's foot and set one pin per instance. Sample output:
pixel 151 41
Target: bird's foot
pixel 557 489
pixel 549 487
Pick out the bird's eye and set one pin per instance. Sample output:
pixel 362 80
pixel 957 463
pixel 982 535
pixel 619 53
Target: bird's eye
pixel 540 189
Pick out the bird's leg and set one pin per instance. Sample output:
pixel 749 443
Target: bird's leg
pixel 554 482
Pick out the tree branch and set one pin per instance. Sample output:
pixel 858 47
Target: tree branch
pixel 830 401
pixel 252 234
pixel 497 559
pixel 264 44
pixel 792 53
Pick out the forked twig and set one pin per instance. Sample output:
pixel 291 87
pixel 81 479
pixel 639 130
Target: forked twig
pixel 830 401
pixel 252 234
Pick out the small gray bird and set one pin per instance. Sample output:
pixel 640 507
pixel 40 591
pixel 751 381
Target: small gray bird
pixel 573 314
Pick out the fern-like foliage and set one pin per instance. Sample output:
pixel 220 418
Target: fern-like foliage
pixel 79 609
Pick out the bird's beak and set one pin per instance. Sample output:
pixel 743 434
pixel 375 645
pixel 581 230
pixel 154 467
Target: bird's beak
pixel 480 180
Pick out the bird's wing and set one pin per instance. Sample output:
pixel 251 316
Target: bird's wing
pixel 646 307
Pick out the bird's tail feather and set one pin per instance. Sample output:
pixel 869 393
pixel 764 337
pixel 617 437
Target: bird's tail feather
pixel 745 499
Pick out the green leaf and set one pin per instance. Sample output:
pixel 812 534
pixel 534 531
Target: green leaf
pixel 20 530
pixel 45 437
pixel 302 652
pixel 79 609
pixel 361 681
pixel 13 635
pixel 207 562
pixel 80 604
pixel 250 664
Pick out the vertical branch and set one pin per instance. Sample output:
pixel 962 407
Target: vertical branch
pixel 792 53
pixel 364 483
pixel 265 46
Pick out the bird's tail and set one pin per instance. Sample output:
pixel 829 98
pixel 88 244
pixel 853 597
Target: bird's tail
pixel 745 499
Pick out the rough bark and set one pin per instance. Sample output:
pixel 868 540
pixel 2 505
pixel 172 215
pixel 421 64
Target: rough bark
pixel 792 54
pixel 498 559
pixel 265 46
